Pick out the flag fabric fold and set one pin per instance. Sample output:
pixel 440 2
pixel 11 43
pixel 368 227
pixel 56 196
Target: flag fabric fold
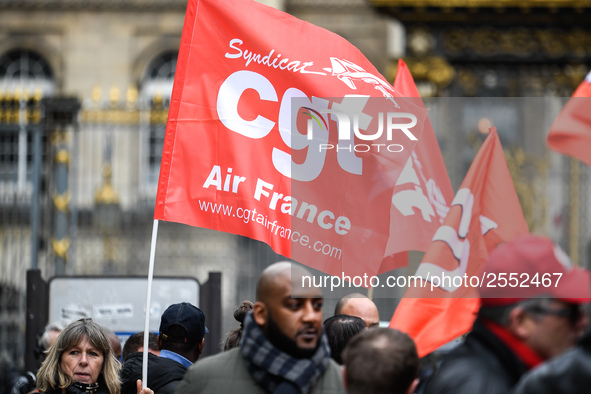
pixel 485 211
pixel 261 140
pixel 422 193
pixel 570 132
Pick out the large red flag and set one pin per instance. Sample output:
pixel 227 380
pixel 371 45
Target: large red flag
pixel 423 191
pixel 571 131
pixel 484 212
pixel 259 137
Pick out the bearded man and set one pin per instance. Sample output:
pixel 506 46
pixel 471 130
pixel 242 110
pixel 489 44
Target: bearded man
pixel 283 349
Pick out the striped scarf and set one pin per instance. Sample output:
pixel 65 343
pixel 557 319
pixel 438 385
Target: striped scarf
pixel 275 370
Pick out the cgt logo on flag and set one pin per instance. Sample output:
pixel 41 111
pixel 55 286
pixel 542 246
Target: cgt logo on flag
pixel 237 157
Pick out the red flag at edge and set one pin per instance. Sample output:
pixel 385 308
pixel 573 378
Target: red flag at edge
pixel 570 133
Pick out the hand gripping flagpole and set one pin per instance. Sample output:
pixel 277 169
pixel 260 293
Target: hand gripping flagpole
pixel 148 303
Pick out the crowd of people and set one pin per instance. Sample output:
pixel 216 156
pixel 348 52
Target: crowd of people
pixel 517 331
pixel 534 343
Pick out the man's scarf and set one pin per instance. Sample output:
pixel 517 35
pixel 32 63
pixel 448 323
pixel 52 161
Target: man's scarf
pixel 275 370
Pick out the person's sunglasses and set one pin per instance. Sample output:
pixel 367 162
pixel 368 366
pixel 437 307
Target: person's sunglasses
pixel 572 313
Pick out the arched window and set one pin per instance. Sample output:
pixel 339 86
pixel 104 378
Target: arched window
pixel 163 66
pixel 25 77
pixel 155 92
pixel 26 70
pixel 159 76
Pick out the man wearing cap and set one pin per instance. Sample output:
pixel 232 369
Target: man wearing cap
pixel 518 325
pixel 283 349
pixel 182 328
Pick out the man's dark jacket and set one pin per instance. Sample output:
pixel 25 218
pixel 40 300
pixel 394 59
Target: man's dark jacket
pixel 482 364
pixel 164 374
pixel 567 373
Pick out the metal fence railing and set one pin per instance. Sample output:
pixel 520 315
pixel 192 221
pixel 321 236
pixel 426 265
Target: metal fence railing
pixel 91 210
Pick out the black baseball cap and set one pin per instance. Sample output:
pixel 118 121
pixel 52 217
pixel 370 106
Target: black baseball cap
pixel 186 316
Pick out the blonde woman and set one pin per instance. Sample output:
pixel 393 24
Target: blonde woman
pixel 81 361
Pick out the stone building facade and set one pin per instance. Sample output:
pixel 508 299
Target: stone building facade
pixel 116 59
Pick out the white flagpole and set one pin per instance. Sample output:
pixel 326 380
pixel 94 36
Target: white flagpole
pixel 148 302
